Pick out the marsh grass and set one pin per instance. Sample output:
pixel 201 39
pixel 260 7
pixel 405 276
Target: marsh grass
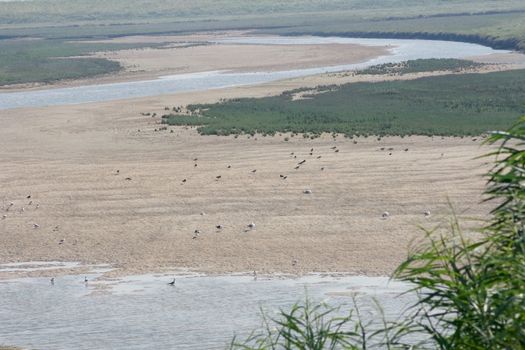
pixel 452 105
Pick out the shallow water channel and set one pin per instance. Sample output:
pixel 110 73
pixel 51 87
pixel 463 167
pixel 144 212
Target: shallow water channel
pixel 400 50
pixel 144 312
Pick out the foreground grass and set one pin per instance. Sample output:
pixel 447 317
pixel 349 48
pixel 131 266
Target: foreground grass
pixel 452 105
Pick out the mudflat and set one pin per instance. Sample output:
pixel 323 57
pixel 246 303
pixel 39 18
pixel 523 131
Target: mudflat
pixel 106 187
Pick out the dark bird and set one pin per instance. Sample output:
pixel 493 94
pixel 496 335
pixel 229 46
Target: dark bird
pixel 219 227
pixel 196 234
pixel 172 283
pixel 218 177
pixel 336 151
pixel 294 157
pixel 334 147
pixel 52 280
pixel 184 180
pixel 406 149
pixel 292 153
pixel 322 168
pixel 311 154
pixel 195 165
pixel 229 166
pixel 254 170
pixel 390 153
pixel 195 159
pixel 28 197
pixel 319 157
pixel 302 162
pixel 118 171
pixel 85 280
pixel 297 167
pixel 128 179
pixel 285 177
pixel 281 176
pixel 312 150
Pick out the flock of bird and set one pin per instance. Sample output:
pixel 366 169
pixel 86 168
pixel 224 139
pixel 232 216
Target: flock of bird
pixel 12 209
pixel 249 227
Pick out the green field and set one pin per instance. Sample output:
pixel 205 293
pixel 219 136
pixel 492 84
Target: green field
pixel 451 105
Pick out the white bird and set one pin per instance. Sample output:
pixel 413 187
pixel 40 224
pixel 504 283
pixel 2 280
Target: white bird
pixel 36 225
pixel 427 213
pixel 172 283
pixel 385 215
pixel 52 280
pixel 251 225
pixel 307 191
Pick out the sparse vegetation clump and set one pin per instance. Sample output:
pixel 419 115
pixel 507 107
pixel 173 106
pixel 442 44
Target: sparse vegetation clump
pixel 421 65
pixel 452 105
pixel 470 288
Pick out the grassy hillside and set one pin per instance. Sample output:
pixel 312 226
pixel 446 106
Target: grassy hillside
pixel 116 11
pixel 468 104
pixel 489 21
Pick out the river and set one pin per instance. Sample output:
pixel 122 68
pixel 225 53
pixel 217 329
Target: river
pixel 400 50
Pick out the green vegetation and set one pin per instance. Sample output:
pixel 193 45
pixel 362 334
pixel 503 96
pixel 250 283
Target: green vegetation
pixel 23 61
pixel 499 23
pixel 118 11
pixel 468 104
pixel 421 65
pixel 470 288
